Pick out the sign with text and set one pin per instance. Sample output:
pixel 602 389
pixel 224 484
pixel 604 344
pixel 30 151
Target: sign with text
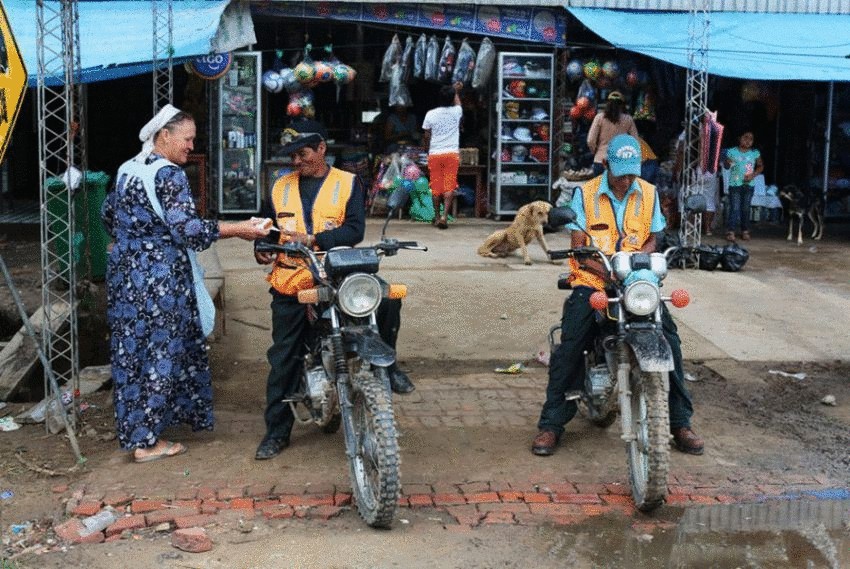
pixel 13 81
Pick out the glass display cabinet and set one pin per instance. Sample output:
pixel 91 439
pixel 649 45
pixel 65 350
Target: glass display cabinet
pixel 239 135
pixel 521 165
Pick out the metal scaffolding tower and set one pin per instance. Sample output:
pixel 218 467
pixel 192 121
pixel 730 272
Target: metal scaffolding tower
pixel 696 105
pixel 163 51
pixel 59 107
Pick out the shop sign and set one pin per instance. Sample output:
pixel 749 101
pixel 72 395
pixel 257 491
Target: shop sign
pixel 211 66
pixel 538 24
pixel 13 81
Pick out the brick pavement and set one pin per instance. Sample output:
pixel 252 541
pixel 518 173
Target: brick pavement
pixel 469 504
pixel 491 401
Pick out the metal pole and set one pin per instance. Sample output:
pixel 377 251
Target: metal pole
pixel 57 394
pixel 827 136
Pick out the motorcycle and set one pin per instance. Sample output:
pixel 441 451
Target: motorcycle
pixel 345 379
pixel 626 369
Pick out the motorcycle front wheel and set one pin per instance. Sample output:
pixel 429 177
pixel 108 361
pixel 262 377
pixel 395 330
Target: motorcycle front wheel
pixel 649 451
pixel 374 467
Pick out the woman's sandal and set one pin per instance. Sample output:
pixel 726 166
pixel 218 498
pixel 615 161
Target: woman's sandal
pixel 745 235
pixel 730 236
pixel 171 449
pixel 442 224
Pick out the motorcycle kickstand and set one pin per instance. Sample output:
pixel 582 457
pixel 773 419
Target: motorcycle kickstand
pixel 298 419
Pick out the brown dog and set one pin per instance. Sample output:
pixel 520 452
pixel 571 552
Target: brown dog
pixel 527 225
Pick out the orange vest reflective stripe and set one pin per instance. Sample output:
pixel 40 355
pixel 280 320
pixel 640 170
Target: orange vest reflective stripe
pixel 328 213
pixel 602 225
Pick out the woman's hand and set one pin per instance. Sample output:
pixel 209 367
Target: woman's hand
pixel 248 229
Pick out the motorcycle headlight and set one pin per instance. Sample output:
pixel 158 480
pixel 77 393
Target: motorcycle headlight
pixel 359 295
pixel 641 298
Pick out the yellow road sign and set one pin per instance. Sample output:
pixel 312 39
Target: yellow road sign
pixel 13 81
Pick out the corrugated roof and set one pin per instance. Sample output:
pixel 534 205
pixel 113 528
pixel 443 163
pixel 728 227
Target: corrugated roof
pixel 764 6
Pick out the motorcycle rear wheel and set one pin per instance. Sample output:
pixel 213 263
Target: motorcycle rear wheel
pixel 374 468
pixel 649 453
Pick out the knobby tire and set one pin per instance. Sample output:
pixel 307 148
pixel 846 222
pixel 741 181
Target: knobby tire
pixel 375 475
pixel 649 454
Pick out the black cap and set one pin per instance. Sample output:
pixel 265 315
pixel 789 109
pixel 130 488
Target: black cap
pixel 301 133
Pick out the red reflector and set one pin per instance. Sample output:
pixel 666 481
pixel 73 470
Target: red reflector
pixel 680 298
pixel 599 300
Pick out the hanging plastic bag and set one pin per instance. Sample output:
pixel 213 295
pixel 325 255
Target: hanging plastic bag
pixel 391 56
pixel 448 57
pixel 419 53
pixel 484 64
pixel 586 91
pixel 465 64
pixel 432 59
pixel 407 60
pixel 392 175
pixel 399 93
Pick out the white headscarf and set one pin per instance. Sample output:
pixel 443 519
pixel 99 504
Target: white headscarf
pixel 148 132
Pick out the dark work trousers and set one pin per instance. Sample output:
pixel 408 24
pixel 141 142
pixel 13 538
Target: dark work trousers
pixel 290 329
pixel 566 365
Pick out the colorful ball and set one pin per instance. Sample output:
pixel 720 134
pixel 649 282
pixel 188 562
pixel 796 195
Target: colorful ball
pixel 592 70
pixel 589 113
pixel 272 81
pixel 290 83
pixel 305 72
pixel 324 72
pixel 412 172
pixel 582 103
pixel 632 78
pixel 293 109
pixel 407 186
pixel 575 112
pixel 352 74
pixel 422 185
pixel 340 73
pixel 397 181
pixel 574 70
pixel 610 69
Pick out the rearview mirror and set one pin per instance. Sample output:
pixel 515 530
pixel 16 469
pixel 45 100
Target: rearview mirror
pixel 397 199
pixel 561 216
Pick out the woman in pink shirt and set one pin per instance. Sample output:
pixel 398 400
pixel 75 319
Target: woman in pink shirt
pixel 605 126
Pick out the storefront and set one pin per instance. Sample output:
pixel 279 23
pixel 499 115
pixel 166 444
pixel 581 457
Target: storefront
pixel 770 72
pixel 328 60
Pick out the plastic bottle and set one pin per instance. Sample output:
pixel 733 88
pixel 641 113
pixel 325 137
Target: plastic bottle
pixel 99 522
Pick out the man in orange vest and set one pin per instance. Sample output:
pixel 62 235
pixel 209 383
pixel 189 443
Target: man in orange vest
pixel 321 207
pixel 622 213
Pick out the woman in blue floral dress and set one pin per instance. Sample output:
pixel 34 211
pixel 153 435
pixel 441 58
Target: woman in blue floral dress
pixel 160 368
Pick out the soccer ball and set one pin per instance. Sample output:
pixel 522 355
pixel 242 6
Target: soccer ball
pixel 610 69
pixel 574 70
pixel 324 72
pixel 272 81
pixel 305 73
pixel 592 70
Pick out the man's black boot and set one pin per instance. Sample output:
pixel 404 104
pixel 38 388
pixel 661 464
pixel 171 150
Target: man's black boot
pixel 399 381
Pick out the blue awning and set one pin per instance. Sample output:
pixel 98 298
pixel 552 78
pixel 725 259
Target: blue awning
pixel 804 47
pixel 116 37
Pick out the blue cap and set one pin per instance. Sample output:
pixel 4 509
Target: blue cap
pixel 624 155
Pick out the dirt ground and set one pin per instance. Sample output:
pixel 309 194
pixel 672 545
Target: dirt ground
pixel 465 316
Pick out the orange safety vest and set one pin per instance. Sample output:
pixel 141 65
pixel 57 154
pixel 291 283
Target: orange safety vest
pixel 602 225
pixel 328 213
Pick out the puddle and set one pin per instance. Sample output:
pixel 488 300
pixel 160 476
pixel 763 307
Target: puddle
pixel 776 534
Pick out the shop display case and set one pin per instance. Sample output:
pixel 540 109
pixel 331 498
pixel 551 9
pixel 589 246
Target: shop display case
pixel 239 135
pixel 521 163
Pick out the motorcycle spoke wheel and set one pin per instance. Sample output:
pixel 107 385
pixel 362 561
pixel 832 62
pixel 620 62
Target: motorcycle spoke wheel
pixel 649 452
pixel 375 476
